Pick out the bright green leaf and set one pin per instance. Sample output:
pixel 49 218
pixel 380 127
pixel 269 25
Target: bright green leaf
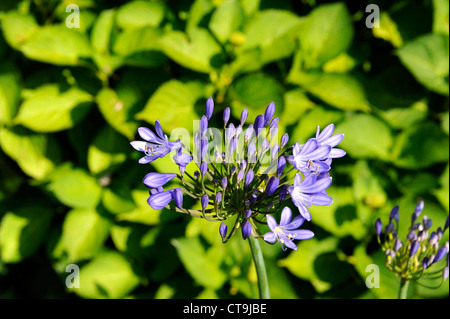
pixel 138 14
pixel 226 19
pixel 74 187
pixel 9 92
pixel 328 31
pixel 84 233
pixel 47 109
pixel 18 28
pixel 22 231
pixel 109 275
pixel 101 32
pixel 427 59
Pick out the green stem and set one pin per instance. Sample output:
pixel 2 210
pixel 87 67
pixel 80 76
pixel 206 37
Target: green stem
pixel 258 258
pixel 403 291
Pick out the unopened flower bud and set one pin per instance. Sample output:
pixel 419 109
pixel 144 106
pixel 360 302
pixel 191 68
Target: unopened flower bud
pixel 223 230
pixel 226 116
pixel 204 201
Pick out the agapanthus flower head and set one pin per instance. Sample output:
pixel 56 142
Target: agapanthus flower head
pixel 244 173
pixel 412 258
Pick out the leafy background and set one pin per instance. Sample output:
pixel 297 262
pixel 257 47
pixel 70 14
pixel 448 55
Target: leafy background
pixel 72 99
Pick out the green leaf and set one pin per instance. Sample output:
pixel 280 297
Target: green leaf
pixel 340 90
pixel 366 186
pixel 116 112
pixel 101 32
pixel 365 137
pixel 301 263
pixel 18 28
pixel 296 103
pixel 173 104
pixel 420 146
pixel 256 91
pixel 275 42
pixel 9 92
pixel 226 19
pixel 107 151
pixel 317 116
pixel 388 30
pixel 427 59
pixel 36 154
pixel 84 233
pixel 201 268
pixel 341 217
pixel 140 47
pixel 139 14
pixel 445 123
pixel 401 118
pixel 56 44
pixel 197 50
pixel 22 232
pixel 108 275
pixel 328 31
pixel 74 187
pixel 440 16
pixel 47 109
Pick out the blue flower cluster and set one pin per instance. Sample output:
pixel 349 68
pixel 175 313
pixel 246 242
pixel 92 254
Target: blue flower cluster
pixel 412 258
pixel 245 174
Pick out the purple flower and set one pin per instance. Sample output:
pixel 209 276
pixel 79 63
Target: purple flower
pixel 246 229
pixel 223 230
pixel 249 177
pixel 309 191
pixel 272 185
pixel 304 155
pixel 155 180
pixel 204 201
pixel 287 230
pixel 160 200
pixel 224 182
pixel 394 215
pixel 281 165
pixel 203 125
pixel 178 197
pixel 209 108
pixel 378 227
pixel 182 159
pixel 203 168
pixel 440 254
pixel 226 116
pixel 284 140
pixel 156 146
pixel 258 124
pixel 268 114
pixel 326 138
pixel 244 116
pixel 414 247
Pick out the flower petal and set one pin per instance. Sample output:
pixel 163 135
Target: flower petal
pixel 295 223
pixel 286 216
pixel 318 186
pixel 159 129
pixel 326 133
pixel 139 145
pixel 302 234
pixel 148 135
pixel 160 200
pixel 270 237
pixel 148 159
pixel 271 222
pixel 336 153
pixel 290 244
pixel 321 200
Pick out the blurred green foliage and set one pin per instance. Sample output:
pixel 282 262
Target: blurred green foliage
pixel 71 99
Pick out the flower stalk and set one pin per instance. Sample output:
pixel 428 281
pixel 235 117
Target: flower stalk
pixel 258 258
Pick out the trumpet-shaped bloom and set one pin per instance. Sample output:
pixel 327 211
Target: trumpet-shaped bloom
pixel 309 191
pixel 287 231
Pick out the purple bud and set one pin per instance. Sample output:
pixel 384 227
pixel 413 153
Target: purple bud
pixel 218 197
pixel 224 182
pixel 244 115
pixel 284 140
pixel 258 124
pixel 398 244
pixel 229 132
pixel 389 228
pixel 248 133
pixel 272 185
pixel 439 233
pixel 246 229
pixel 445 274
pixel 226 116
pixel 223 230
pixel 427 222
pixel 203 148
pixel 274 151
pixel 248 213
pixel 196 174
pixel 283 193
pixel 265 146
pixel 240 176
pixel 411 236
pixel 417 211
pixel 270 111
pixel 178 197
pixel 203 124
pixel 433 238
pixel 281 165
pixel 440 254
pixel 155 180
pixel 233 169
pixel 378 227
pixel 243 164
pixel 251 152
pixel 274 123
pixel 238 130
pixel 446 226
pixel 249 177
pixel 394 214
pixel 425 262
pixel 160 200
pixel 414 247
pixel 209 108
pixel 203 168
pixel 204 200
